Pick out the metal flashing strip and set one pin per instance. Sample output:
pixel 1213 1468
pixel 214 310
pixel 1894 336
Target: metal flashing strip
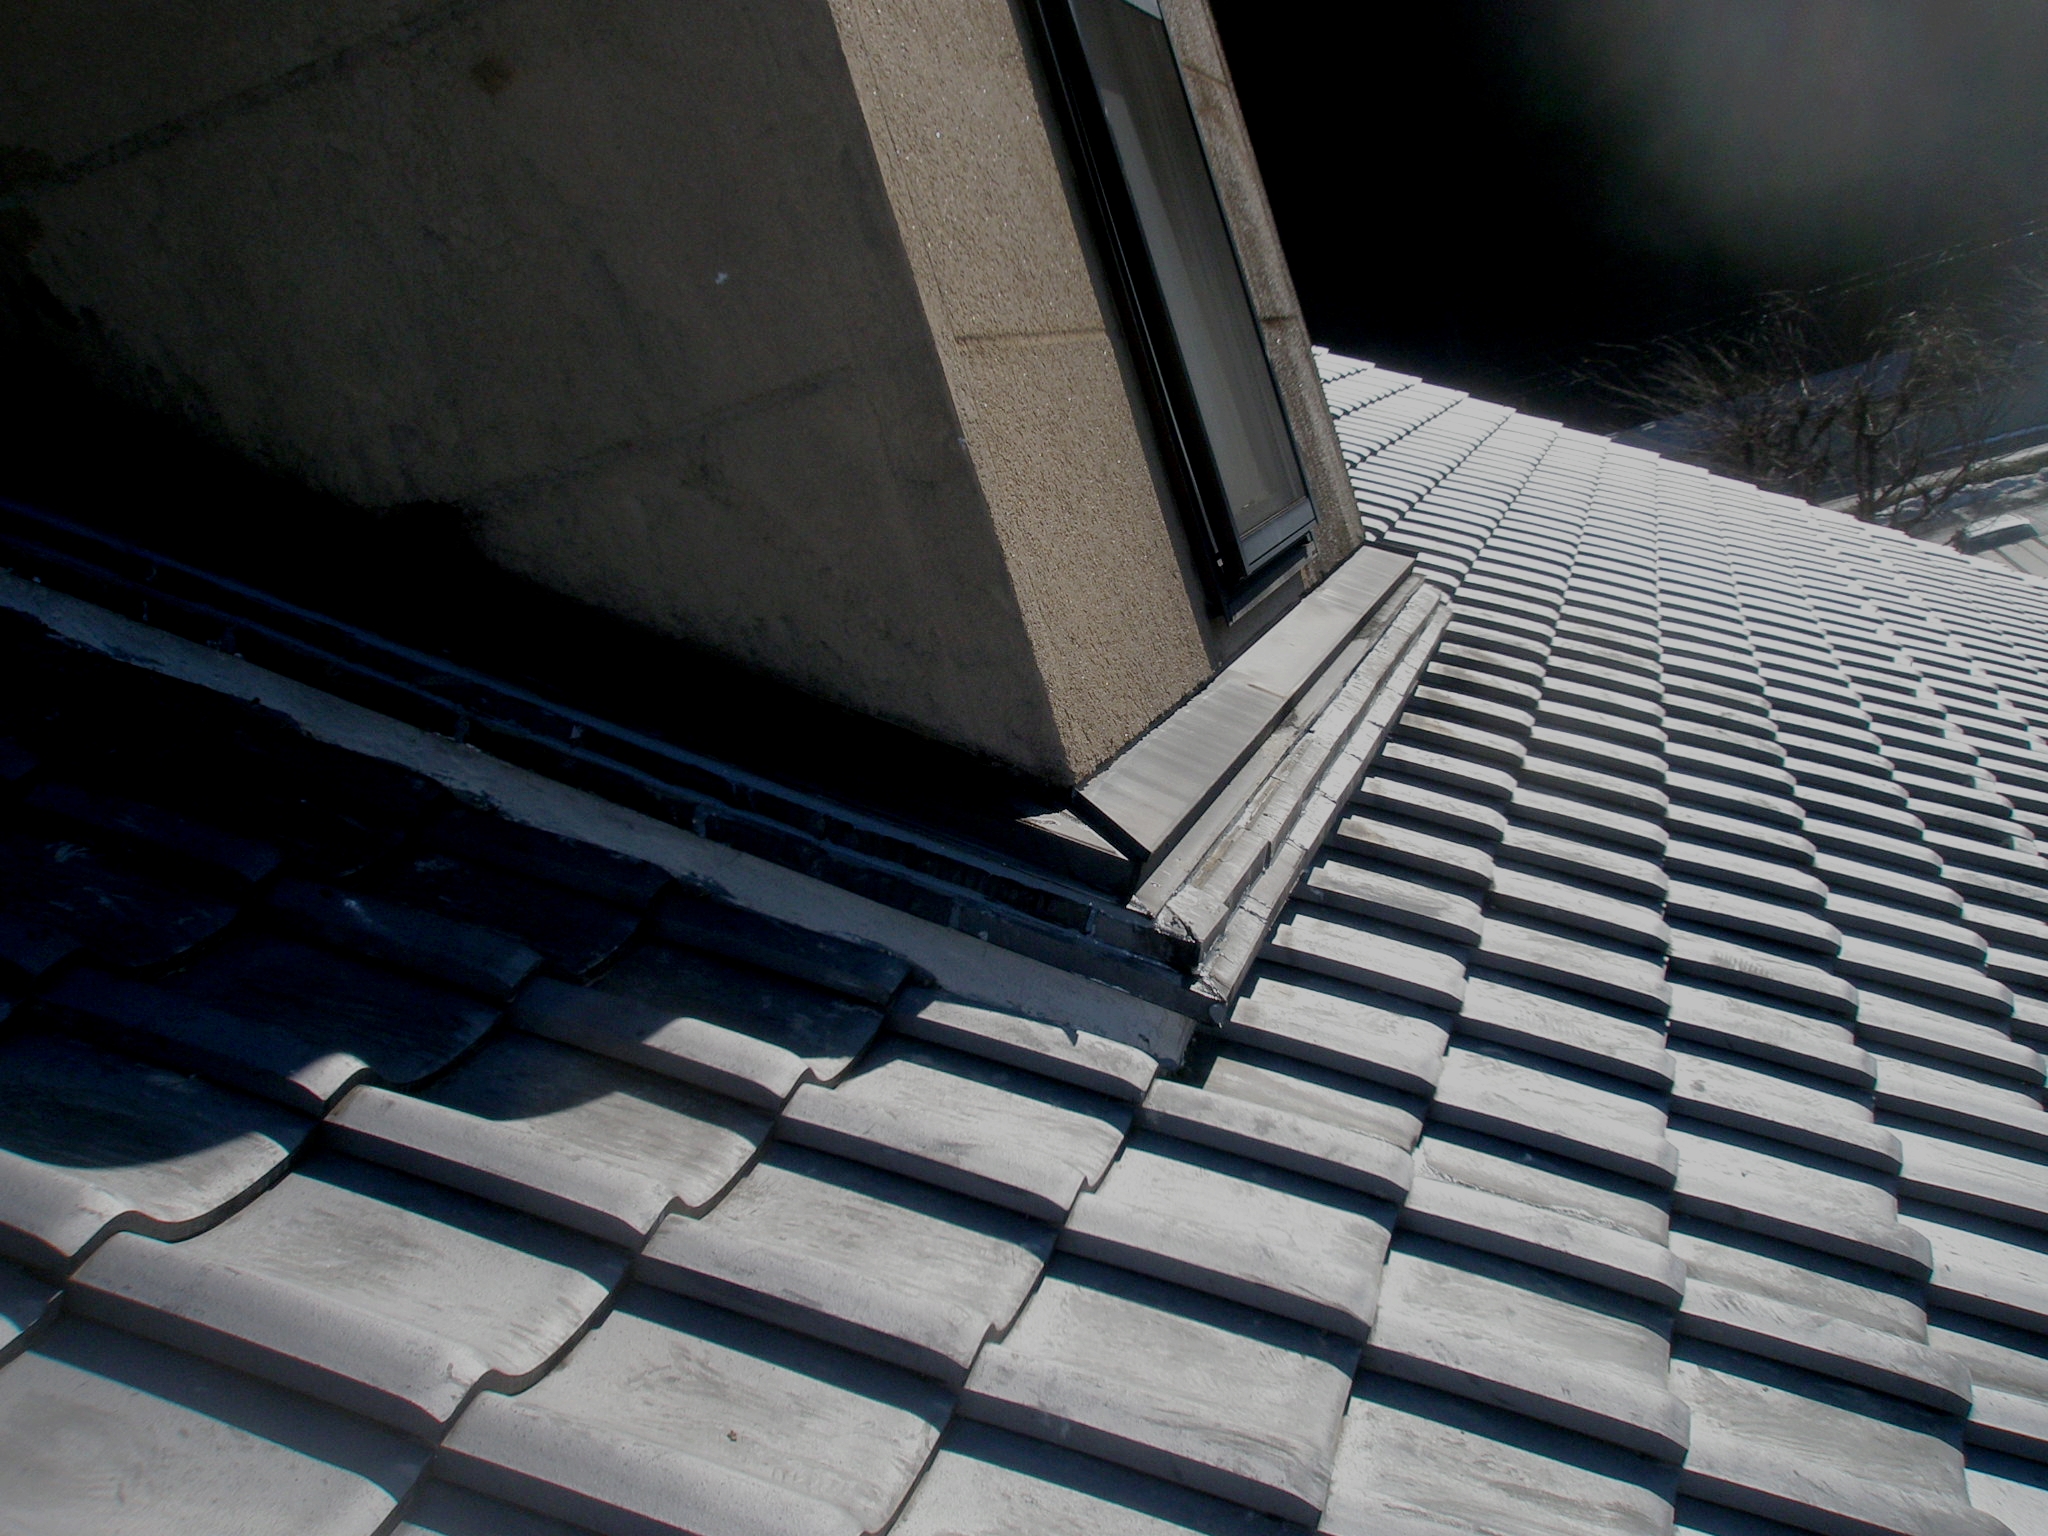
pixel 1153 795
pixel 982 894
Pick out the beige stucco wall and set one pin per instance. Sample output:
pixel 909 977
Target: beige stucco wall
pixel 770 327
pixel 968 156
pixel 617 276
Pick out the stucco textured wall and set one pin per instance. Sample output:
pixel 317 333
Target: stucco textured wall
pixel 772 328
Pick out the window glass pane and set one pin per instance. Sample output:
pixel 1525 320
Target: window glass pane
pixel 1160 153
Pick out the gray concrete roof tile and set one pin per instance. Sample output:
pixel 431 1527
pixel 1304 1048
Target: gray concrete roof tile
pixel 1766 809
pixel 26 1304
pixel 611 877
pixel 1466 706
pixel 443 1509
pixel 1241 1230
pixel 1985 1268
pixel 680 1046
pixel 589 1143
pixel 1940 814
pixel 1462 813
pixel 2009 1370
pixel 863 1259
pixel 1125 1368
pixel 1607 756
pixel 1897 967
pixel 1797 1277
pixel 2014 930
pixel 1419 1463
pixel 1777 1442
pixel 461 954
pixel 1457 739
pixel 1531 1177
pixel 1481 681
pixel 1373 1035
pixel 1564 712
pixel 826 1029
pixel 1459 860
pixel 989 1482
pixel 1369 954
pixel 1997 890
pixel 1572 664
pixel 409 1298
pixel 447 1510
pixel 1534 1103
pixel 1697 824
pixel 2021 866
pixel 1576 779
pixel 1757 1186
pixel 1978 1042
pixel 1712 758
pixel 1828 1346
pixel 1769 877
pixel 1781 1107
pixel 1426 905
pixel 1561 960
pixel 1448 770
pixel 1775 921
pixel 1863 878
pixel 1068 1056
pixel 1705 955
pixel 574 933
pixel 1947 1171
pixel 965 1124
pixel 285 1020
pixel 92 1144
pixel 1569 814
pixel 1583 858
pixel 1512 1010
pixel 1511 1336
pixel 714 926
pixel 673 1416
pixel 1546 1238
pixel 1862 916
pixel 2018 970
pixel 1857 817
pixel 1571 904
pixel 104 1432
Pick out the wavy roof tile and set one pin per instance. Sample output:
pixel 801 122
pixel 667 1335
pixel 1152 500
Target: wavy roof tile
pixel 1634 1124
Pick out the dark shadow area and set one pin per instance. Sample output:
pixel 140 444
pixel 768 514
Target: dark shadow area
pixel 413 576
pixel 1493 196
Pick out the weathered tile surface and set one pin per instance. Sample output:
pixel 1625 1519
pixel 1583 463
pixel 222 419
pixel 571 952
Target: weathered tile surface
pixel 1675 980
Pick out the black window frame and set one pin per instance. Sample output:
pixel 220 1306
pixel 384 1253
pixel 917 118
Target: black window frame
pixel 1236 569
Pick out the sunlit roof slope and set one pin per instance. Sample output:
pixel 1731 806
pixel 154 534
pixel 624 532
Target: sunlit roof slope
pixel 1633 1125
